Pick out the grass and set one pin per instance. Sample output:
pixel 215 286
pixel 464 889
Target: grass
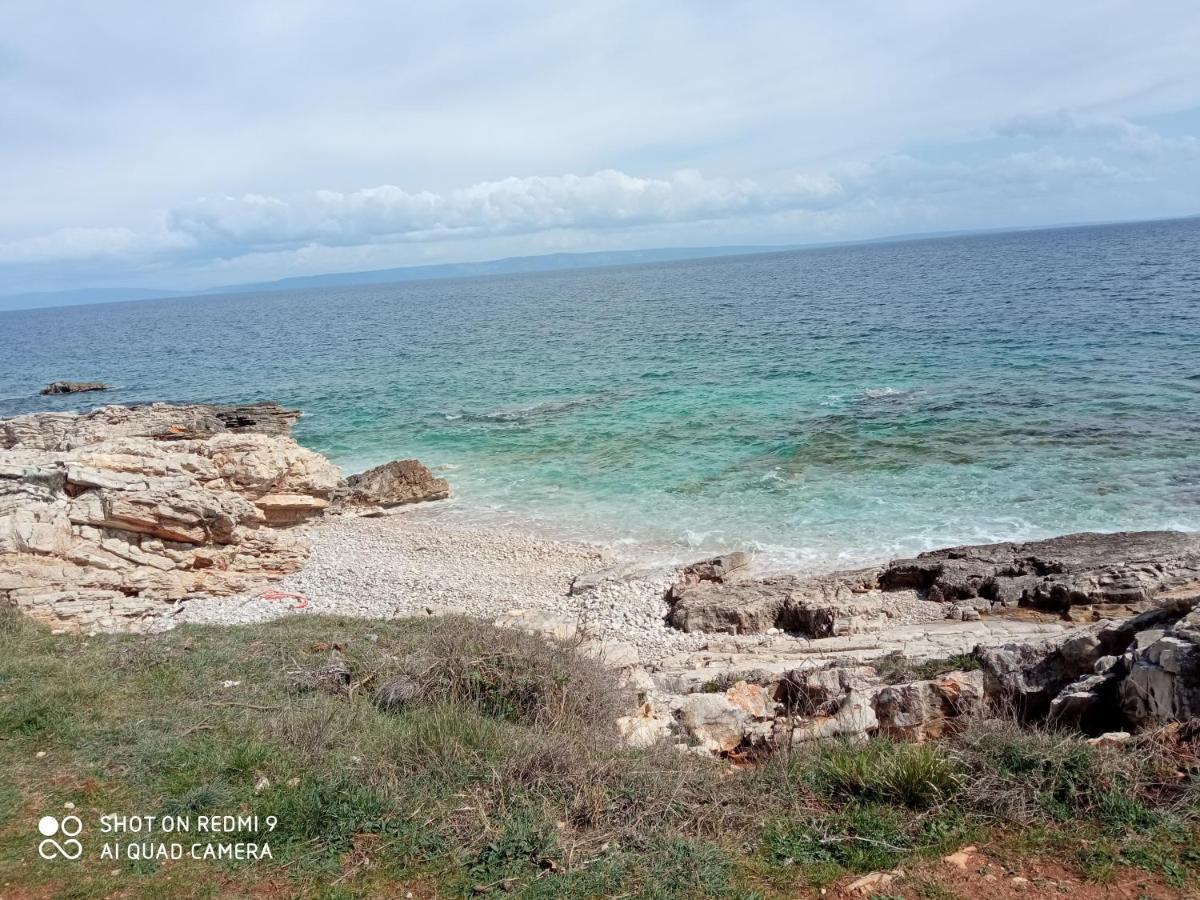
pixel 499 772
pixel 895 668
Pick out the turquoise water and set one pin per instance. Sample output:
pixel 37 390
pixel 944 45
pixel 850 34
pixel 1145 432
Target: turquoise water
pixel 827 406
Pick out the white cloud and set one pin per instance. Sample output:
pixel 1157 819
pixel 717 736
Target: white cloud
pixel 808 121
pixel 606 199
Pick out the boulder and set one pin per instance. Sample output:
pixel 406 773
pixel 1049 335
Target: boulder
pixel 925 710
pixel 1077 679
pixel 816 607
pixel 1087 568
pixel 1163 684
pixel 73 387
pixel 644 729
pixel 750 607
pixel 393 484
pixel 821 690
pixel 721 722
pixel 719 569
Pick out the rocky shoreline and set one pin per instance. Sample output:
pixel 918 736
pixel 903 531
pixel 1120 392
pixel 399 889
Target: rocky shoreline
pixel 138 519
pixel 109 519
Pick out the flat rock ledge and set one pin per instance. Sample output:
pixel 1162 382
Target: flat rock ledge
pixel 1088 570
pixel 108 516
pixel 1097 632
pixel 73 387
pixel 1055 574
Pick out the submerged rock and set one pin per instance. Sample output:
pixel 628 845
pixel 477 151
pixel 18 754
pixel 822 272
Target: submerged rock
pixel 73 387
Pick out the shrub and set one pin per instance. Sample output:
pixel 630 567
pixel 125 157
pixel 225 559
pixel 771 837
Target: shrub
pixel 884 771
pixel 517 677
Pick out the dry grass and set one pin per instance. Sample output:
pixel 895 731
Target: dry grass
pixel 500 771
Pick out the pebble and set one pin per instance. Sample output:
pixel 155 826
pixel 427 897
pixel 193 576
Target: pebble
pixel 428 560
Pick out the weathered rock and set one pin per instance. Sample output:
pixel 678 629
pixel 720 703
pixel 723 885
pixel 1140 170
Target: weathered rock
pixel 1163 684
pixel 750 607
pixel 1090 703
pixel 393 484
pixel 644 729
pixel 817 607
pixel 157 421
pixel 1076 679
pixel 925 710
pixel 73 387
pixel 107 514
pixel 1087 568
pixel 719 569
pixel 854 717
pixel 721 722
pixel 820 691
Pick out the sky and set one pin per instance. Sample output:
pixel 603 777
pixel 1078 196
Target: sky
pixel 185 146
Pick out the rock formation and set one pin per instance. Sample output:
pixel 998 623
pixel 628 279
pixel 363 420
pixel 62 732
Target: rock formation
pixel 109 515
pixel 817 607
pixel 73 387
pixel 393 484
pixel 1014 607
pixel 1076 569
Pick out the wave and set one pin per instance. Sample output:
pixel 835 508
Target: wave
pixel 885 393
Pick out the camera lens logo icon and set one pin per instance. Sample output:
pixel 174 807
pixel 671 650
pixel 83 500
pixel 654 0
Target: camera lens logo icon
pixel 69 828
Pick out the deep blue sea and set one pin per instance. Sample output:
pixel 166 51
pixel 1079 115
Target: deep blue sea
pixel 828 406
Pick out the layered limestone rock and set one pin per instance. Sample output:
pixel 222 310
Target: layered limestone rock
pixel 1138 672
pixel 844 603
pixel 394 484
pixel 1076 569
pixel 107 516
pixel 1163 680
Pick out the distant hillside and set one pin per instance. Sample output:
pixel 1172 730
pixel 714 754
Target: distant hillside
pixel 81 296
pixel 550 262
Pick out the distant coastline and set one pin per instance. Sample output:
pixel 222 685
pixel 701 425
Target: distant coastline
pixel 515 265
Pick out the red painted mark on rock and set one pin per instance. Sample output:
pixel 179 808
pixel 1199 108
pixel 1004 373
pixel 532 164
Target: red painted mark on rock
pixel 301 602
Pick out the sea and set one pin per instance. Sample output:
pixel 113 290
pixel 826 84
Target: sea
pixel 825 407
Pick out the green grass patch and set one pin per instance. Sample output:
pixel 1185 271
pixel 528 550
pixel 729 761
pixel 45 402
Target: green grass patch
pixel 503 775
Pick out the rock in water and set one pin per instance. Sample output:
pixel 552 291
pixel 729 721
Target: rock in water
pixel 73 387
pixel 1077 569
pixel 393 484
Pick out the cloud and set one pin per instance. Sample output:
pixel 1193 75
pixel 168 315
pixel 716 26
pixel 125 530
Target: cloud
pixel 807 121
pixel 606 199
pixel 1120 133
pixel 229 227
pixel 72 244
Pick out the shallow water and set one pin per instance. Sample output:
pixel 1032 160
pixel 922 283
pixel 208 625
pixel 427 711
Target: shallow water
pixel 828 406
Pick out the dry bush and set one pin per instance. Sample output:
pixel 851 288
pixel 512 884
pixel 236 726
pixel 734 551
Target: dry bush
pixel 1024 773
pixel 517 677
